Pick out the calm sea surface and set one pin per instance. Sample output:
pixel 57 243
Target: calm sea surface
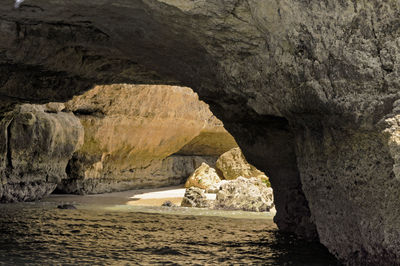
pixel 41 234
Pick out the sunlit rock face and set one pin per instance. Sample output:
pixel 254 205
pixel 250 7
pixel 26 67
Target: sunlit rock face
pixel 309 89
pixel 36 143
pixel 131 131
pixel 232 164
pixel 204 177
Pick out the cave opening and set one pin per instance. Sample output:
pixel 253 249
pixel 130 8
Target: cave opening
pixel 155 137
pixel 309 90
pixel 52 51
pixel 147 137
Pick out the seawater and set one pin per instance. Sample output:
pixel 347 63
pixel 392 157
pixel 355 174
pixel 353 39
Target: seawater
pixel 41 234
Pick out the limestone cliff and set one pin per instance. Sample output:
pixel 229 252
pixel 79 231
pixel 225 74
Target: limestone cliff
pixel 213 140
pixel 309 89
pixel 36 143
pixel 130 132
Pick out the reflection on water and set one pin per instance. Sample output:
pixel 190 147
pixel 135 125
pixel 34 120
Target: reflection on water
pixel 39 233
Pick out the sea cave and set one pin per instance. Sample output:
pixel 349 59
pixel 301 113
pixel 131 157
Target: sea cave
pixel 307 89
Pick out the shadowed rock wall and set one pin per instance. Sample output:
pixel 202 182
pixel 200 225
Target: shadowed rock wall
pixel 35 146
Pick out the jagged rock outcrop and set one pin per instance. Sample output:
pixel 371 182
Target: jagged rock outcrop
pixel 309 90
pixel 248 194
pixel 232 164
pixel 195 197
pixel 203 177
pixel 36 143
pixel 131 131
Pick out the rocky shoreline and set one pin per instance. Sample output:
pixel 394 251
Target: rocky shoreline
pixel 234 183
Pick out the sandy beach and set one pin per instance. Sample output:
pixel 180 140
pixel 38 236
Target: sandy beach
pixel 137 197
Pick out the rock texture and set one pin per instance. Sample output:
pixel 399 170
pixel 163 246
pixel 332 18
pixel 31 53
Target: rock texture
pixel 232 164
pixel 309 89
pixel 131 131
pixel 203 177
pixel 173 170
pixel 213 140
pixel 195 197
pixel 248 194
pixel 35 146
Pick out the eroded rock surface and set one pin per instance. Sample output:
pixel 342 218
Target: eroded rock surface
pixel 248 194
pixel 213 140
pixel 204 177
pixel 195 197
pixel 232 164
pixel 305 87
pixel 131 133
pixel 173 170
pixel 35 146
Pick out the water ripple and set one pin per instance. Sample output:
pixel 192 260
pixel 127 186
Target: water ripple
pixel 44 235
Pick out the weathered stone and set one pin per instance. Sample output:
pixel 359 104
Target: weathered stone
pixel 195 197
pixel 171 171
pixel 305 87
pixel 232 164
pixel 213 140
pixel 248 194
pixel 131 129
pixel 54 107
pixel 35 147
pixel 203 177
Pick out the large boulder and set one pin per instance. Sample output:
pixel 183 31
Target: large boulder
pixel 233 164
pixel 35 145
pixel 195 197
pixel 204 177
pixel 248 194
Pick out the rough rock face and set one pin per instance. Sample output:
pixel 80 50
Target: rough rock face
pixel 248 194
pixel 213 140
pixel 130 130
pixel 203 177
pixel 173 170
pixel 309 89
pixel 232 164
pixel 35 145
pixel 195 197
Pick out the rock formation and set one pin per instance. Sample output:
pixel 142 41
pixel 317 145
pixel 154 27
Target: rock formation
pixel 173 170
pixel 309 89
pixel 195 197
pixel 213 140
pixel 203 177
pixel 248 194
pixel 36 143
pixel 131 134
pixel 232 164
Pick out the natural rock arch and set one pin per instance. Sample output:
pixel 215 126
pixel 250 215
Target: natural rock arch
pixel 308 88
